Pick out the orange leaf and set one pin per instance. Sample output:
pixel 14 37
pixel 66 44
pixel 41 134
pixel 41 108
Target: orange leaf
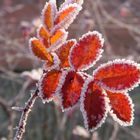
pixel 118 75
pixel 121 108
pixel 63 53
pixel 87 51
pixel 58 38
pixel 56 62
pixel 48 85
pixel 44 35
pixel 94 105
pixel 67 15
pixel 48 15
pixel 39 50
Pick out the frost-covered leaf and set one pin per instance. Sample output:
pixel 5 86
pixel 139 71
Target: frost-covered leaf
pixel 121 108
pixel 55 65
pixel 87 51
pixel 48 14
pixel 49 84
pixel 58 38
pixel 66 15
pixel 39 50
pixel 71 89
pixel 44 36
pixel 94 105
pixel 118 75
pixel 64 51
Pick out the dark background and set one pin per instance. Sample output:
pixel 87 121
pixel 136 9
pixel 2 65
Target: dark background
pixel 117 20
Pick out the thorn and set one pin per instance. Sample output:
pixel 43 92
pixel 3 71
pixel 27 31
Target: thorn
pixel 20 109
pixel 32 91
pixel 36 84
pixel 15 128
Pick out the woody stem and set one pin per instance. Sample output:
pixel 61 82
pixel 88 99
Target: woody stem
pixel 25 113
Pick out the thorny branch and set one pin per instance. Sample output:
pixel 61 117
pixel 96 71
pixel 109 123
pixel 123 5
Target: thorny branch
pixel 24 116
pixel 6 106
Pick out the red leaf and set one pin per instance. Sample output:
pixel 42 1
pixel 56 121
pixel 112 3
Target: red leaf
pixel 87 51
pixel 63 53
pixel 71 89
pixel 67 15
pixel 121 108
pixel 118 75
pixel 94 105
pixel 49 84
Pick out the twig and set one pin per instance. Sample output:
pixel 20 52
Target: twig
pixel 24 116
pixel 10 125
pixel 11 10
pixel 98 17
pixel 21 94
pixel 115 131
pixel 4 105
pixel 132 133
pixel 118 22
pixel 60 124
pixel 10 115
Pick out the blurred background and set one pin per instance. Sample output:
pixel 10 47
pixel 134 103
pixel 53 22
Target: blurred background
pixel 117 20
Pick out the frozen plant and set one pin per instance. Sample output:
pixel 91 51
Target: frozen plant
pixel 65 61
